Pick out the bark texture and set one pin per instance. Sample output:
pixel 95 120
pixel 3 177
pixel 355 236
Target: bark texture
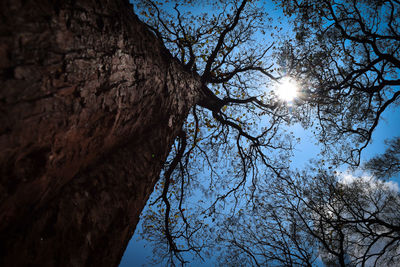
pixel 91 103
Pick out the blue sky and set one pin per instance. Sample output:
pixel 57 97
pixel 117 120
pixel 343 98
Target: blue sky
pixel 139 251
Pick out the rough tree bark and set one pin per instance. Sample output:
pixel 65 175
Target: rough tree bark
pixel 91 103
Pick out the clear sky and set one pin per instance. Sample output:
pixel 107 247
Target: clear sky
pixel 138 251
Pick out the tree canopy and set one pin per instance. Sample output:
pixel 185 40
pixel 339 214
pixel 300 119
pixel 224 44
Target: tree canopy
pixel 227 184
pixel 347 54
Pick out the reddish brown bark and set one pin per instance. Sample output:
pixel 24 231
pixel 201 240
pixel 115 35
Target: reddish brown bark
pixel 91 103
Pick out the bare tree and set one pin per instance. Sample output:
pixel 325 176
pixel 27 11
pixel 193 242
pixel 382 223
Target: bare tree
pixel 344 221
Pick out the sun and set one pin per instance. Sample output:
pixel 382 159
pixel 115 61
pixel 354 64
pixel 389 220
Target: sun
pixel 287 89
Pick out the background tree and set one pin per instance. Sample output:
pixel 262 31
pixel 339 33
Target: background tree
pixel 386 165
pixel 346 55
pixel 345 220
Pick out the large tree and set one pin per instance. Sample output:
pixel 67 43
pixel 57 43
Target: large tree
pixel 92 102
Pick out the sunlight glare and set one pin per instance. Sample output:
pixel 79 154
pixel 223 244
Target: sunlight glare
pixel 287 89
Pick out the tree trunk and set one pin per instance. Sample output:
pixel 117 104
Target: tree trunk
pixel 91 103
